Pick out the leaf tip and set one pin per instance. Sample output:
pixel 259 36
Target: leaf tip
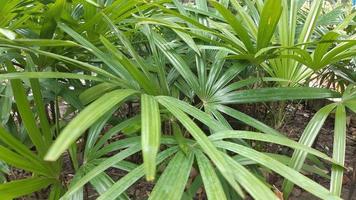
pixel 50 157
pixel 150 178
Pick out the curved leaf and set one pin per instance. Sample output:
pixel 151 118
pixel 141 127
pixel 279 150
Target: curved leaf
pixel 279 168
pixel 125 182
pixel 99 169
pixel 272 139
pixel 84 120
pixel 15 189
pixel 307 138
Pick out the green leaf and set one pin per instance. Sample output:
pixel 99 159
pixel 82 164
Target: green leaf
pixel 188 40
pixel 16 145
pixel 310 21
pixel 236 25
pixel 351 104
pixel 178 135
pixel 150 134
pixel 307 138
pixel 247 82
pixel 248 120
pixel 332 17
pixel 216 69
pixel 101 182
pixel 40 105
pixel 77 63
pixel 245 16
pixel 138 76
pixel 15 189
pixel 227 77
pixel 45 75
pixel 172 182
pixel 236 47
pixel 119 127
pixel 193 188
pixel 205 118
pixel 177 61
pixel 84 120
pixel 276 94
pixel 203 141
pixel 5 104
pixel 322 47
pixel 15 160
pixel 26 113
pixel 339 52
pixel 127 44
pixel 91 2
pixel 270 15
pixel 95 92
pixel 125 182
pixel 346 21
pixel 212 185
pixel 8 33
pixel 276 139
pixel 254 186
pixel 97 52
pixel 46 42
pixel 279 168
pixel 56 191
pixel 285 160
pixel 100 168
pixel 95 130
pixel 339 146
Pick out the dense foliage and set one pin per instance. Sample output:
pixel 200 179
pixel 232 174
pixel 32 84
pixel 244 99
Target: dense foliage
pixel 94 83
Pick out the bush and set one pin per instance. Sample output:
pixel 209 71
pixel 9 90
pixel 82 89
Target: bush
pixel 101 82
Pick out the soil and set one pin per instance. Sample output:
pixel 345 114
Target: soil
pixel 297 117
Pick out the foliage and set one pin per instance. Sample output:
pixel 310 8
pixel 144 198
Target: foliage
pixel 70 68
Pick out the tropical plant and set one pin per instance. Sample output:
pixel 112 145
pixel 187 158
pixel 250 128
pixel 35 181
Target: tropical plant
pixel 165 62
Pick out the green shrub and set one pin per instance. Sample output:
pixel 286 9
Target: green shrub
pixel 180 69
